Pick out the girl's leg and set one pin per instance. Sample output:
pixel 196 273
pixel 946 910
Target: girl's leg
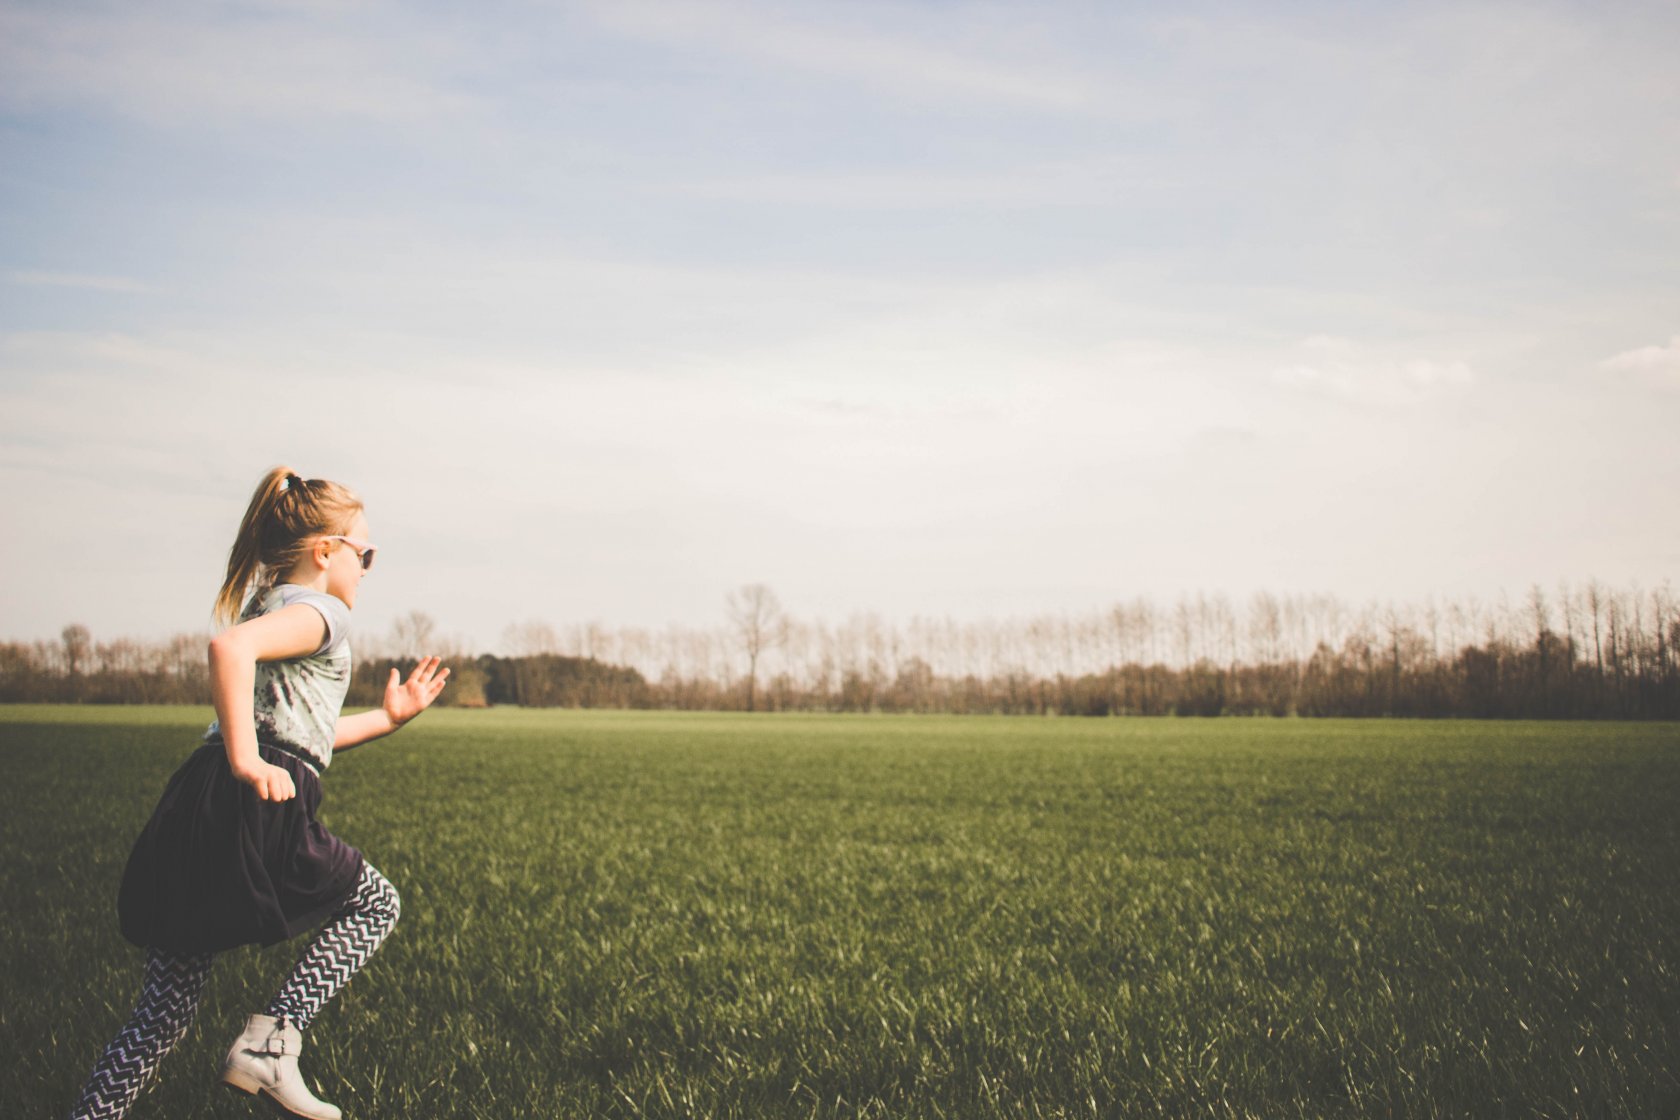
pixel 168 1002
pixel 341 947
pixel 264 1059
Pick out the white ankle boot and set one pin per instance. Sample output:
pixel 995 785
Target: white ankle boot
pixel 265 1060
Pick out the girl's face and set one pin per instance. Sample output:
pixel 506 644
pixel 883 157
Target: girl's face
pixel 344 566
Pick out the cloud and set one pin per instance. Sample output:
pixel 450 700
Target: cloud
pixel 181 65
pixel 847 410
pixel 892 63
pixel 1100 182
pixel 77 280
pixel 1350 371
pixel 62 351
pixel 1654 365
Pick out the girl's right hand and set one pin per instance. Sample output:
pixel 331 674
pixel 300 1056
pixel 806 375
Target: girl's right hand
pixel 271 782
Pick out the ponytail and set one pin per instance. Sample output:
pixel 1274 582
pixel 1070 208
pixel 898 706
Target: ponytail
pixel 285 511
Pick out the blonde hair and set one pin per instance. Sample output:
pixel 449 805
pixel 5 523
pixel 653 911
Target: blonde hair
pixel 284 513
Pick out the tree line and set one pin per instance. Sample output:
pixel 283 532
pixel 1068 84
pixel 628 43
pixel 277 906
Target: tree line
pixel 78 670
pixel 1587 652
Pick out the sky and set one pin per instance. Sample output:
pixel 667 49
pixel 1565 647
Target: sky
pixel 926 309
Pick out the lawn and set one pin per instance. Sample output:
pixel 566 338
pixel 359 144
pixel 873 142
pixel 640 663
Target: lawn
pixel 624 914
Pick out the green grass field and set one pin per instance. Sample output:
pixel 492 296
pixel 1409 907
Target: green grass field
pixel 612 914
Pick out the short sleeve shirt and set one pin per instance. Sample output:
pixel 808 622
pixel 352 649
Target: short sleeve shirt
pixel 297 701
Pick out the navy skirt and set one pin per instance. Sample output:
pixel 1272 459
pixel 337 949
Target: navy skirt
pixel 217 866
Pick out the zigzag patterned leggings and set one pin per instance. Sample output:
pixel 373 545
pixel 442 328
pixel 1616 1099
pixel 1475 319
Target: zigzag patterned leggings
pixel 174 982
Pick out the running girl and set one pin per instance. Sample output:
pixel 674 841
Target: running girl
pixel 233 853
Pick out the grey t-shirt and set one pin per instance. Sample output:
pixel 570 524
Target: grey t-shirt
pixel 297 702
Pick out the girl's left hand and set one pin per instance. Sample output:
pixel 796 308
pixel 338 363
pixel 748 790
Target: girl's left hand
pixel 406 699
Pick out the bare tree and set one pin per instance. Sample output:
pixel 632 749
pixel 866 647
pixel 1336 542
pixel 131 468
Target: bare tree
pixel 77 642
pixel 760 624
pixel 413 634
pixel 529 638
pixel 1595 606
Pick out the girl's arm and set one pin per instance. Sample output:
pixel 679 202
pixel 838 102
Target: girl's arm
pixel 294 631
pixel 403 701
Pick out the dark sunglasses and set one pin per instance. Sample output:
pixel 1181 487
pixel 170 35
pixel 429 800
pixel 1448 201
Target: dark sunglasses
pixel 364 550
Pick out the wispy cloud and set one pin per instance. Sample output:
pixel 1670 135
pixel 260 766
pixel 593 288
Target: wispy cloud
pixel 1351 371
pixel 173 64
pixel 847 410
pixel 891 63
pixel 1654 365
pixel 1098 182
pixel 83 281
pixel 94 350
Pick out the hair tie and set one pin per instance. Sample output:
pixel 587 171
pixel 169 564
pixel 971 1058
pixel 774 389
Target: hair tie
pixel 287 482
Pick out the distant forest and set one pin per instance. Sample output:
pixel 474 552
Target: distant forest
pixel 1589 652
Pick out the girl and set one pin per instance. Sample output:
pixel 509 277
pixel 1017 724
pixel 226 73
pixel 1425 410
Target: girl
pixel 233 853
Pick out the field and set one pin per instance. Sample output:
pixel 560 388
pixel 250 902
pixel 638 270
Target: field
pixel 613 914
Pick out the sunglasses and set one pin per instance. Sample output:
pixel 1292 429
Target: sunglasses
pixel 364 550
